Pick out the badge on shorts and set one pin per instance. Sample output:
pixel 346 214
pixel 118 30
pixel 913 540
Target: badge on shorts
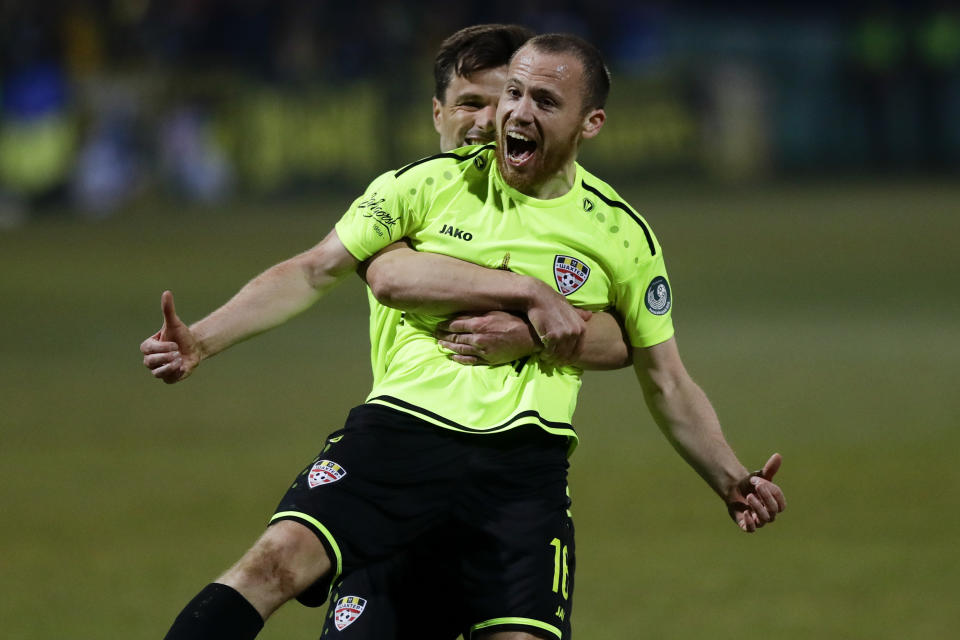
pixel 569 273
pixel 348 609
pixel 324 472
pixel 658 296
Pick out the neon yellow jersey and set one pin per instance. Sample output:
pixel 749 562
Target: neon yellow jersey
pixel 384 322
pixel 588 244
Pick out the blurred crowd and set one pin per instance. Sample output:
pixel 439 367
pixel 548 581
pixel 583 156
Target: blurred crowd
pixel 105 101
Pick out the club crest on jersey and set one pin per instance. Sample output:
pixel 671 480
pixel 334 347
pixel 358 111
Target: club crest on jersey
pixel 348 609
pixel 658 296
pixel 569 273
pixel 324 472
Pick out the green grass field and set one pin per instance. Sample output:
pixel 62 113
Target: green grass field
pixel 821 319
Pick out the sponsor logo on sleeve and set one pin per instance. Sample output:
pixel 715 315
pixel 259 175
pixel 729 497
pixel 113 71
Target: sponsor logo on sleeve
pixel 347 610
pixel 324 472
pixel 569 273
pixel 658 296
pixel 372 208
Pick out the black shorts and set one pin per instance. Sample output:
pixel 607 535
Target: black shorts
pixel 389 484
pixel 407 597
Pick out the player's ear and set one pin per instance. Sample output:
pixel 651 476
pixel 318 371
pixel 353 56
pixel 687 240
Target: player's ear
pixel 437 114
pixel 593 122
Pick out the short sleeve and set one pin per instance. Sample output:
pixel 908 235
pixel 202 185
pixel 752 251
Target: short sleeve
pixel 379 217
pixel 645 301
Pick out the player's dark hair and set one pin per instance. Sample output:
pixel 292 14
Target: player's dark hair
pixel 476 48
pixel 595 73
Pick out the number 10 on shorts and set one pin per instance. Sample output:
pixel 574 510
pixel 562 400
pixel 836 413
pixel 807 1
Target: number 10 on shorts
pixel 561 572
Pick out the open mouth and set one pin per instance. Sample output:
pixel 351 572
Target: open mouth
pixel 520 148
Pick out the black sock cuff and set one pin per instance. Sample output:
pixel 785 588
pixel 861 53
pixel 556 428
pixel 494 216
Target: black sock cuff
pixel 217 612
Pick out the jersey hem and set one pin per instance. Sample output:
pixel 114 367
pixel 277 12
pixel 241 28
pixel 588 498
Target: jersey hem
pixel 652 341
pixel 348 243
pixel 519 419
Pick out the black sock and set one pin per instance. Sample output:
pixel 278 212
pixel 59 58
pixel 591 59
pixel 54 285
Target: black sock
pixel 218 612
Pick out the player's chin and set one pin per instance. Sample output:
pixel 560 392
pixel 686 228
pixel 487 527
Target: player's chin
pixel 520 178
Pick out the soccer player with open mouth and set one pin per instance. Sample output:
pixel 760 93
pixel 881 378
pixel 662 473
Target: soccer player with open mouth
pixel 492 464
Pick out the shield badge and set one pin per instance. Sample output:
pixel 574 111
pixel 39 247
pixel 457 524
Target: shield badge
pixel 324 472
pixel 569 273
pixel 348 609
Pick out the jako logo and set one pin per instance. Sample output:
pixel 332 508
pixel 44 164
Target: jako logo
pixel 456 233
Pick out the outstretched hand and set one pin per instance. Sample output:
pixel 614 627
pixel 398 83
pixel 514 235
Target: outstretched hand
pixel 757 500
pixel 172 353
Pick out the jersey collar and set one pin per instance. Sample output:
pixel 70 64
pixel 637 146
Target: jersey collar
pixel 561 201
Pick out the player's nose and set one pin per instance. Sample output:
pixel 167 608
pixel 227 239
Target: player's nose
pixel 486 119
pixel 523 110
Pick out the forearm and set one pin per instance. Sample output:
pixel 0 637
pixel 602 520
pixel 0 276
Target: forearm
pixel 685 416
pixel 275 296
pixel 402 278
pixel 270 299
pixel 604 345
pixel 690 424
pixel 440 285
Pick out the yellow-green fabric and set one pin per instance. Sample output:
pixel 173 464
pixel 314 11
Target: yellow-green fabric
pixel 457 204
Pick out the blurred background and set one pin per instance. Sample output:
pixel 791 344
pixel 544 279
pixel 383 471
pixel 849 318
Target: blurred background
pixel 105 102
pixel 799 164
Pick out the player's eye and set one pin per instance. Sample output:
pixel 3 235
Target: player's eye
pixel 546 101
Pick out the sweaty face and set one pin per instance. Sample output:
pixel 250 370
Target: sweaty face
pixel 468 115
pixel 540 121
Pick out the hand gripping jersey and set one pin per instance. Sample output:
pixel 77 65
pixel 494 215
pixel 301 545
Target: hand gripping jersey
pixel 587 244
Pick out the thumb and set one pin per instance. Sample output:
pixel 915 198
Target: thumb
pixel 584 314
pixel 772 466
pixel 170 318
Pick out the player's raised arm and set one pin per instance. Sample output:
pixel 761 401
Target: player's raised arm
pixel 405 279
pixel 688 420
pixel 276 295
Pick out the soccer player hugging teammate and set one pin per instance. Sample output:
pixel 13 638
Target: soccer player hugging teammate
pixel 491 467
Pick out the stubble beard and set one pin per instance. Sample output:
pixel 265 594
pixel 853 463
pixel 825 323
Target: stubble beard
pixel 533 175
pixel 522 181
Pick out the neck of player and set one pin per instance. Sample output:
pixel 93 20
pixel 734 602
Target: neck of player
pixel 557 185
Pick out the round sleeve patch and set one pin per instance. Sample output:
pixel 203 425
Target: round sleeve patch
pixel 658 296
